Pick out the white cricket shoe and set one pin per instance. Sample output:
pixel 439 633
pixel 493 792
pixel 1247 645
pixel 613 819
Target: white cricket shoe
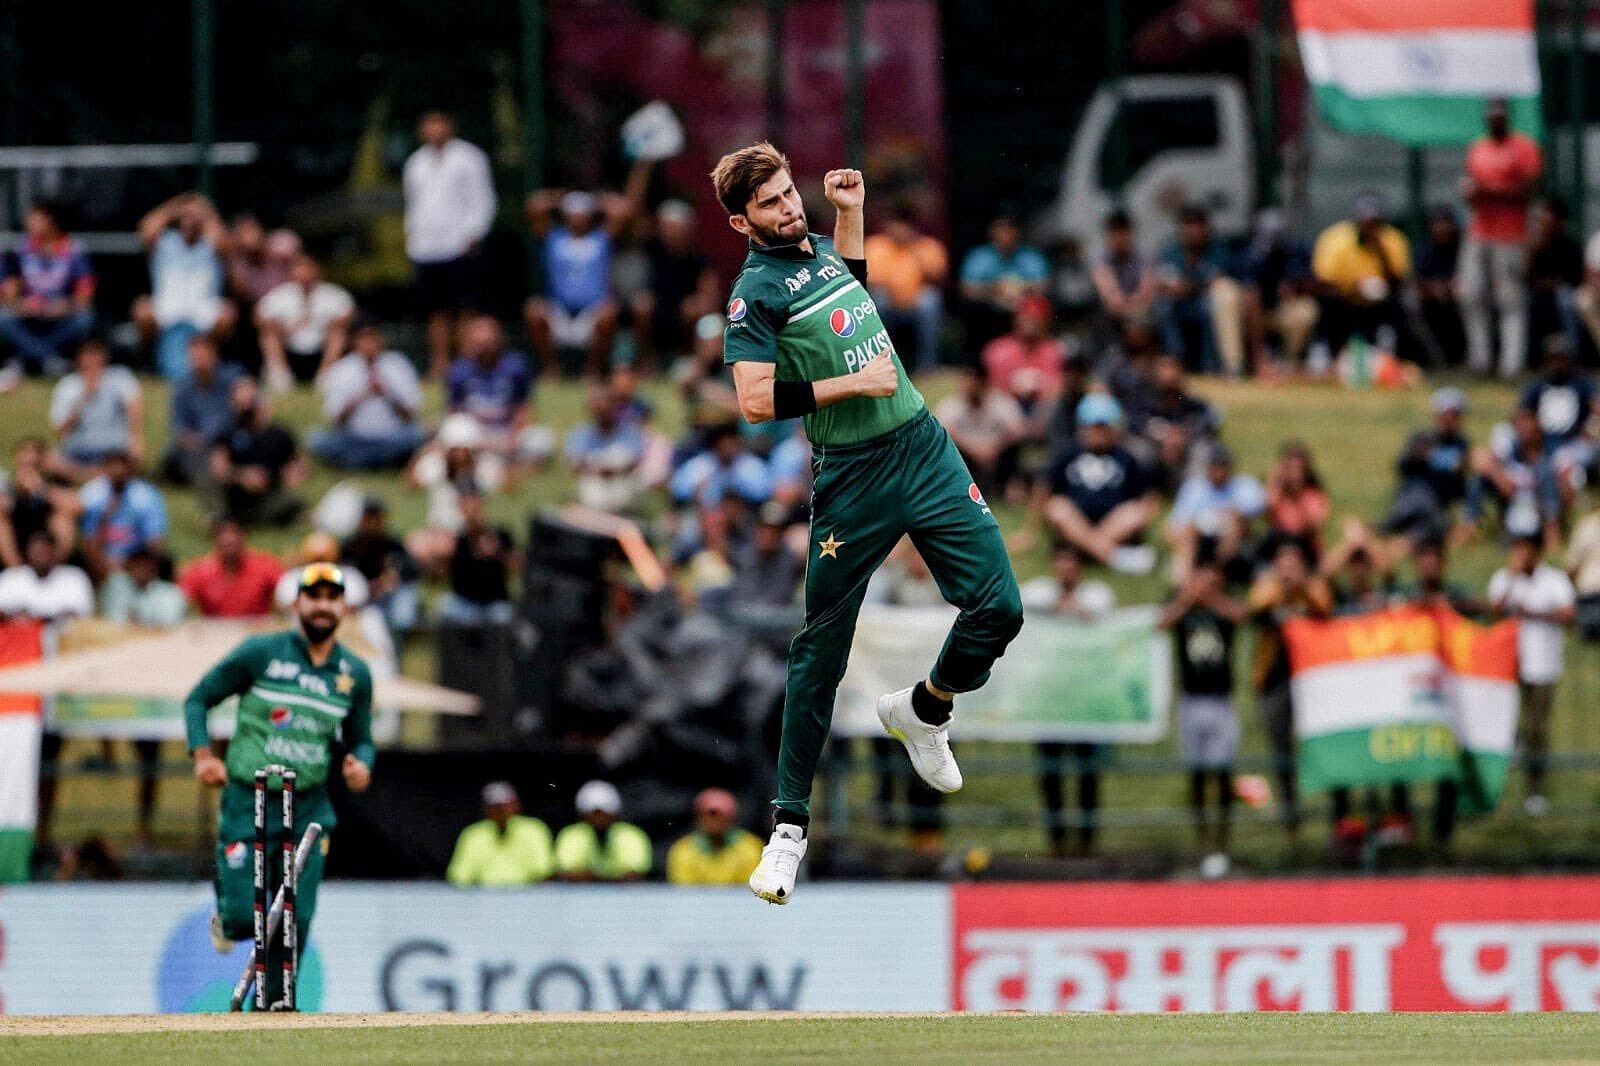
pixel 928 745
pixel 774 876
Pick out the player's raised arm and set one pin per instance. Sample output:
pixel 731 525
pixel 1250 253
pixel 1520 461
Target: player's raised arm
pixel 847 192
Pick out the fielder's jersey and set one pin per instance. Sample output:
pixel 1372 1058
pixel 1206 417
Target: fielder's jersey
pixel 806 313
pixel 291 711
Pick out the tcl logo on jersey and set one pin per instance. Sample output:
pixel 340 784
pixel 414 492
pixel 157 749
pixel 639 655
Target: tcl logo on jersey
pixel 281 717
pixel 736 309
pixel 841 323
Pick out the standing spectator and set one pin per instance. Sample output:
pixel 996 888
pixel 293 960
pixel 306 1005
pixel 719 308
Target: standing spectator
pixel 138 594
pixel 493 384
pixel 1555 271
pixel 1289 587
pixel 1297 504
pixel 683 286
pixel 186 240
pixel 718 852
pixel 450 206
pixel 372 401
pixel 255 464
pixel 505 850
pixel 1432 468
pixel 1542 600
pixel 1198 304
pixel 1068 594
pixel 391 574
pixel 480 567
pixel 1028 362
pixel 1437 259
pixel 605 453
pixel 201 411
pixel 1503 171
pixel 908 269
pixel 995 276
pixel 1101 497
pixel 1361 265
pixel 233 580
pixel 96 410
pixel 29 503
pixel 1123 279
pixel 987 426
pixel 1211 516
pixel 1278 299
pixel 303 324
pixel 599 846
pixel 122 514
pixel 1204 620
pixel 46 294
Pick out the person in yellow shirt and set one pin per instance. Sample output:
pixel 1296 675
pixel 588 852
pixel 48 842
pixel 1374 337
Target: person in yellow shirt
pixel 506 849
pixel 1361 266
pixel 718 852
pixel 908 271
pixel 600 847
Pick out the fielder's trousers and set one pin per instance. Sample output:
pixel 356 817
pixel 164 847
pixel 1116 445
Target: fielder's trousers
pixel 865 497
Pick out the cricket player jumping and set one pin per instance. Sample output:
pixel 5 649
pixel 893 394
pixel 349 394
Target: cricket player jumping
pixel 805 339
pixel 300 693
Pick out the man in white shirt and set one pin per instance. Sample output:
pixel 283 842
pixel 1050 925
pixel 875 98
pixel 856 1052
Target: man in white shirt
pixel 371 399
pixel 303 325
pixel 450 203
pixel 43 587
pixel 96 410
pixel 1544 603
pixel 987 425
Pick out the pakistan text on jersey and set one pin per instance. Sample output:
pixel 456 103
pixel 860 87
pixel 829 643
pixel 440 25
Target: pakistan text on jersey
pixel 856 358
pixel 297 752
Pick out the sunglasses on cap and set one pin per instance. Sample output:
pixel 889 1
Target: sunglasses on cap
pixel 321 574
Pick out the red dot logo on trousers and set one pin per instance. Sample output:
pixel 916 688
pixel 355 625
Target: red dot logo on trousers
pixel 841 322
pixel 977 497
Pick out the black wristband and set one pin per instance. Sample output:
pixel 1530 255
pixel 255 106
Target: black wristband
pixel 858 267
pixel 791 399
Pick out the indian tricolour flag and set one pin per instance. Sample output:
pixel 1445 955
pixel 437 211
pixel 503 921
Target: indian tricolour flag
pixel 1404 694
pixel 1419 72
pixel 21 723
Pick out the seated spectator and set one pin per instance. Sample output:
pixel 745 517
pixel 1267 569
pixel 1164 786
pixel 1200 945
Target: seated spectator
pixel 185 239
pixel 96 410
pixel 908 269
pixel 493 384
pixel 1204 621
pixel 1555 271
pixel 705 382
pixel 257 262
pixel 724 467
pixel 46 294
pixel 1181 427
pixel 987 426
pixel 1197 304
pixel 455 461
pixel 1587 299
pixel 138 595
pixel 372 400
pixel 303 325
pixel 995 277
pixel 1027 363
pixel 233 580
pixel 319 547
pixel 480 567
pixel 1437 258
pixel 28 503
pixel 718 852
pixel 1565 401
pixel 255 464
pixel 1211 516
pixel 122 514
pixel 682 285
pixel 1432 470
pixel 507 849
pixel 767 571
pixel 578 310
pixel 44 587
pixel 1101 497
pixel 605 453
pixel 600 847
pixel 1061 425
pixel 1071 289
pixel 1361 265
pixel 1278 299
pixel 201 411
pixel 1297 505
pixel 1518 471
pixel 1541 599
pixel 1123 279
pixel 391 574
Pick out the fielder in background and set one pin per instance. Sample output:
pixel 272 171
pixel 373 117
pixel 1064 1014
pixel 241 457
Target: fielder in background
pixel 302 695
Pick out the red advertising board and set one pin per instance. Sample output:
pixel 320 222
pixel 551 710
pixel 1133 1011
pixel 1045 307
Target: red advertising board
pixel 1491 943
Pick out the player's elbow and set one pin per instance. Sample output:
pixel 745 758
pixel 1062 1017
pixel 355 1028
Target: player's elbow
pixel 756 409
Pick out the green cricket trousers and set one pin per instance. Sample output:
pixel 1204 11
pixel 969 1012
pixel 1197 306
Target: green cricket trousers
pixel 865 497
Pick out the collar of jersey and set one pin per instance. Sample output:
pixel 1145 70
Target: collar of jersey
pixel 787 251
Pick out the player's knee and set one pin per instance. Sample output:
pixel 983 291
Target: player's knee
pixel 1003 613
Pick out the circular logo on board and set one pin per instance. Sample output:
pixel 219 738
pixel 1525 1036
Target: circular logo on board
pixel 736 309
pixel 192 977
pixel 841 322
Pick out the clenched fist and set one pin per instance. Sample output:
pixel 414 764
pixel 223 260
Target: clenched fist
pixel 357 775
pixel 880 377
pixel 208 769
pixel 845 189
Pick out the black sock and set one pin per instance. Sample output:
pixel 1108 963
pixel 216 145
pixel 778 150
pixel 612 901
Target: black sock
pixel 784 816
pixel 930 708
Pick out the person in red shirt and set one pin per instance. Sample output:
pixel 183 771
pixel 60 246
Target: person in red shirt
pixel 1028 361
pixel 234 580
pixel 1503 170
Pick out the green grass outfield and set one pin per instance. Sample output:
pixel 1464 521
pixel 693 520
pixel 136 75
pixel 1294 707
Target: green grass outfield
pixel 1217 1038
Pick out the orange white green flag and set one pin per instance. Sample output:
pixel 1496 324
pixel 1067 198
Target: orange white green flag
pixel 1420 72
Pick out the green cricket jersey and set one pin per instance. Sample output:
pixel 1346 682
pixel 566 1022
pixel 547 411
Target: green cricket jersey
pixel 806 313
pixel 290 711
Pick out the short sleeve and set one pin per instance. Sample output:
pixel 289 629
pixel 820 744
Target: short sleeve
pixel 1497 585
pixel 63 397
pixel 751 334
pixel 1561 592
pixel 340 302
pixel 978 265
pixel 1249 496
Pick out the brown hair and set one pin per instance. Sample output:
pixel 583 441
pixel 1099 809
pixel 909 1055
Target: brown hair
pixel 739 174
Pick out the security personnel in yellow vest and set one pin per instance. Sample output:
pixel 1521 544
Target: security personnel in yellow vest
pixel 718 852
pixel 505 850
pixel 599 847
